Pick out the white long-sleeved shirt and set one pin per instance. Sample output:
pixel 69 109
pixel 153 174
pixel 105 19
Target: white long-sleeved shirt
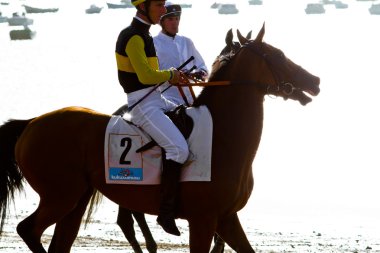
pixel 172 52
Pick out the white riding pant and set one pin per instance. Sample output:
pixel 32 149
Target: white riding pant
pixel 149 114
pixel 173 94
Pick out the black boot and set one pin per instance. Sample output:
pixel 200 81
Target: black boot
pixel 169 196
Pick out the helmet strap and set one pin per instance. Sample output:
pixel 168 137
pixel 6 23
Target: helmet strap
pixel 146 11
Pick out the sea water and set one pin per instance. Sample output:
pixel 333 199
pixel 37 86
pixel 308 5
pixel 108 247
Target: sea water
pixel 317 165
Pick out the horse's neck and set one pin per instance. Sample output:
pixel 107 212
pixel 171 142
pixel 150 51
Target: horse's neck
pixel 235 104
pixel 237 114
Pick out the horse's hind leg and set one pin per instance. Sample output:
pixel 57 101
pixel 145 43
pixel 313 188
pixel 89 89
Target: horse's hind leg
pixel 233 234
pixel 125 222
pixel 31 228
pixel 67 228
pixel 151 244
pixel 49 211
pixel 32 234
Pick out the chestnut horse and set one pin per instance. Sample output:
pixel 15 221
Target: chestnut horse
pixel 125 217
pixel 61 155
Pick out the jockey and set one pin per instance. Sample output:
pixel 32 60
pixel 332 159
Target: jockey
pixel 138 71
pixel 173 49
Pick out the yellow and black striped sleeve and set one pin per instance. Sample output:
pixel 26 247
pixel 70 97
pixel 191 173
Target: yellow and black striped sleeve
pixel 146 68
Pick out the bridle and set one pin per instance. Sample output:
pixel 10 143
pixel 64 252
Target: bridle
pixel 286 88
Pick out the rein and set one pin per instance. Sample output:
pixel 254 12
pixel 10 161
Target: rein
pixel 286 88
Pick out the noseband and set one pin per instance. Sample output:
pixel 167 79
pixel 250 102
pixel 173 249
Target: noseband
pixel 285 87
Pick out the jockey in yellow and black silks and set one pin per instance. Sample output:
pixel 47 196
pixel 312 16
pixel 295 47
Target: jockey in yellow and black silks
pixel 138 72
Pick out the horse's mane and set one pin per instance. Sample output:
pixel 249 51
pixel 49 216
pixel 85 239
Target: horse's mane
pixel 219 64
pixel 217 70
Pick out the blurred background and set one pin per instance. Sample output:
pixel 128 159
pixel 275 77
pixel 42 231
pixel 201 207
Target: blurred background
pixel 317 166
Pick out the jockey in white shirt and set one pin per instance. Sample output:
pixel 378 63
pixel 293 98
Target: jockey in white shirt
pixel 173 50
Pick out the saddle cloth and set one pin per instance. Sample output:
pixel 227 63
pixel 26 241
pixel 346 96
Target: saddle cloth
pixel 124 166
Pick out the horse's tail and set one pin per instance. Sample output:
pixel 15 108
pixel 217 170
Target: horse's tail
pixel 11 178
pixel 94 202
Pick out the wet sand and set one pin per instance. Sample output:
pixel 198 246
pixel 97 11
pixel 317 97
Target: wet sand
pixel 267 242
pixel 103 235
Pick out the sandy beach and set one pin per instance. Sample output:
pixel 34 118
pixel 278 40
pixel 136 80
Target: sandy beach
pixel 107 238
pixel 269 230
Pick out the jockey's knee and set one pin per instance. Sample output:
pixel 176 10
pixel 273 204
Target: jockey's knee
pixel 178 154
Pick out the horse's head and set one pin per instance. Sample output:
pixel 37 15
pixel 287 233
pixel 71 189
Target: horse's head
pixel 278 74
pixel 257 63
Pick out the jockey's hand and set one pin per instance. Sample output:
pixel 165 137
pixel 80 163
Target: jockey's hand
pixel 183 79
pixel 199 75
pixel 178 78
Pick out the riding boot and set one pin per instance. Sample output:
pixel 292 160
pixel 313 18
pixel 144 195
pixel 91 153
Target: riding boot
pixel 169 196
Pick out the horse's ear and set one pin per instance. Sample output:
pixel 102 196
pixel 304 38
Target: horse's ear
pixel 261 33
pixel 229 37
pixel 241 38
pixel 249 35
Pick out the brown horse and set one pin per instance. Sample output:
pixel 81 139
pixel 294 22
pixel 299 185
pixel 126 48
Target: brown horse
pixel 125 217
pixel 61 155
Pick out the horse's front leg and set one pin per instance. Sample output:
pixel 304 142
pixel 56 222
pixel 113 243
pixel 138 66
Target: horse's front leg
pixel 201 233
pixel 218 244
pixel 231 231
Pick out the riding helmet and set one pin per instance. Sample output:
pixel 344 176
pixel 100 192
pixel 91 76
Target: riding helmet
pixel 137 2
pixel 172 10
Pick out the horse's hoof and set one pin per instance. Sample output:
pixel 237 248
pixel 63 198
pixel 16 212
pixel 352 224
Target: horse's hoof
pixel 151 247
pixel 136 248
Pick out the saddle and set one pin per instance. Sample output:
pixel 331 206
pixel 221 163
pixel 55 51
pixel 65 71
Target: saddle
pixel 179 117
